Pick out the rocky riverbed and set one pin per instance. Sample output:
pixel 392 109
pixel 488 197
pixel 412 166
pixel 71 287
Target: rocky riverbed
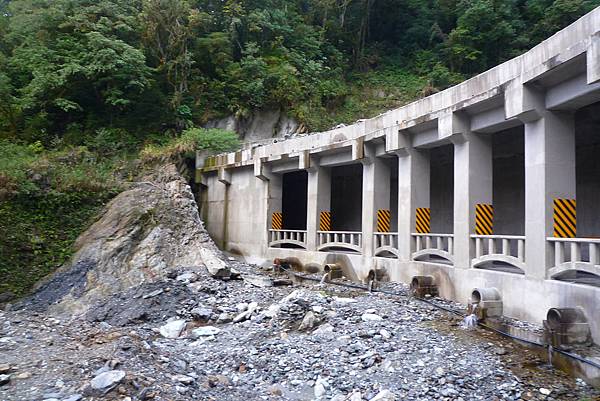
pixel 194 337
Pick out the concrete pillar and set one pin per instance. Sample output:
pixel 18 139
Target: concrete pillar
pixel 413 192
pixel 549 174
pixel 319 199
pixel 375 196
pixel 473 181
pixel 274 196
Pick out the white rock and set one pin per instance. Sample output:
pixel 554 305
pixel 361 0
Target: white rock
pixel 371 317
pixel 205 331
pixel 258 281
pixel 317 309
pixel 107 379
pixel 183 379
pixel 385 334
pixel 308 322
pixel 172 329
pixel 320 388
pixel 188 277
pixel 384 395
pixel 545 391
pixel 355 396
pixel 242 306
pixel 215 266
pixel 342 300
pixel 324 329
pixel 272 311
pixel 252 306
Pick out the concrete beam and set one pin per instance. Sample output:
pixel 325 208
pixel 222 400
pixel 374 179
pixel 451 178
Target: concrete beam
pixel 452 124
pixel 492 120
pixel 572 94
pixel 262 170
pixel 318 200
pixel 224 175
pixel 522 102
pixel 549 174
pixel 376 195
pixel 304 160
pixel 593 59
pixel 358 149
pixel 473 184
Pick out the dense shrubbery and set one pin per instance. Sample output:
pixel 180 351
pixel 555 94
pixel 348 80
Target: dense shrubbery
pixel 78 70
pixel 191 140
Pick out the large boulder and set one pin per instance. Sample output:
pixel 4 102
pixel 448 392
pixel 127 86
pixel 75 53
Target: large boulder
pixel 142 235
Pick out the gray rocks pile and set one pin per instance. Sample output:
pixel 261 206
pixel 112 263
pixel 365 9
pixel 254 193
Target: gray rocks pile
pixel 234 340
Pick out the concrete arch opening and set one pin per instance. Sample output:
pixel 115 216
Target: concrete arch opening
pixel 294 200
pixel 346 197
pixel 434 213
pixel 576 236
pixel 340 212
pixel 287 209
pixel 500 226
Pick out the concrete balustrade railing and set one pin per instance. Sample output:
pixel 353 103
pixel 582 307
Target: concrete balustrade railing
pixel 350 240
pixel 499 248
pixel 287 237
pixel 433 245
pixel 385 244
pixel 575 254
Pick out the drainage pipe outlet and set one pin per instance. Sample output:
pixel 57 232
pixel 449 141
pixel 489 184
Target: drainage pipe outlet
pixel 486 302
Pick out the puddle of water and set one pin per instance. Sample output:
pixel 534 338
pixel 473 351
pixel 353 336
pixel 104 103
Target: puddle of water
pixel 527 362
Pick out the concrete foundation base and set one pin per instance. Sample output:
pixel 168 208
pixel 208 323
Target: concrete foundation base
pixel 523 298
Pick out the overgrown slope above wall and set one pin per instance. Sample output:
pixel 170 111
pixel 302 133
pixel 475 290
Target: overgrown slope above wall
pixel 37 234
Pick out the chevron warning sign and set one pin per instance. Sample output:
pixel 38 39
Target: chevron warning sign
pixel 325 221
pixel 384 220
pixel 484 219
pixel 565 218
pixel 277 221
pixel 423 220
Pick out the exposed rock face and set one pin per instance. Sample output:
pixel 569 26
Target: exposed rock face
pixel 262 124
pixel 143 234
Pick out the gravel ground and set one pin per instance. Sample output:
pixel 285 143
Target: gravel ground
pixel 236 341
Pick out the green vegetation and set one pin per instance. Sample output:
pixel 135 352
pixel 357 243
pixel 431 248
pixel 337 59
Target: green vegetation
pixel 69 68
pixel 186 145
pixel 91 89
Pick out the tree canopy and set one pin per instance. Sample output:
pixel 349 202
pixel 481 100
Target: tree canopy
pixel 69 68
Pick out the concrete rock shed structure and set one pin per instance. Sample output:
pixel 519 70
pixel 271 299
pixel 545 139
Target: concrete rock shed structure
pixel 492 183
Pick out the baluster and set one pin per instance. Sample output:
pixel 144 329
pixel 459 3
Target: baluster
pixel 575 252
pixel 521 250
pixel 505 247
pixel 427 242
pixel 418 243
pixel 478 247
pixel 439 243
pixel 594 253
pixel 451 245
pixel 491 246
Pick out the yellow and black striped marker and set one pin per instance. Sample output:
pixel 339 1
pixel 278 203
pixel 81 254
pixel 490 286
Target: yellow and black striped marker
pixel 384 221
pixel 325 221
pixel 277 221
pixel 484 219
pixel 565 218
pixel 423 220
